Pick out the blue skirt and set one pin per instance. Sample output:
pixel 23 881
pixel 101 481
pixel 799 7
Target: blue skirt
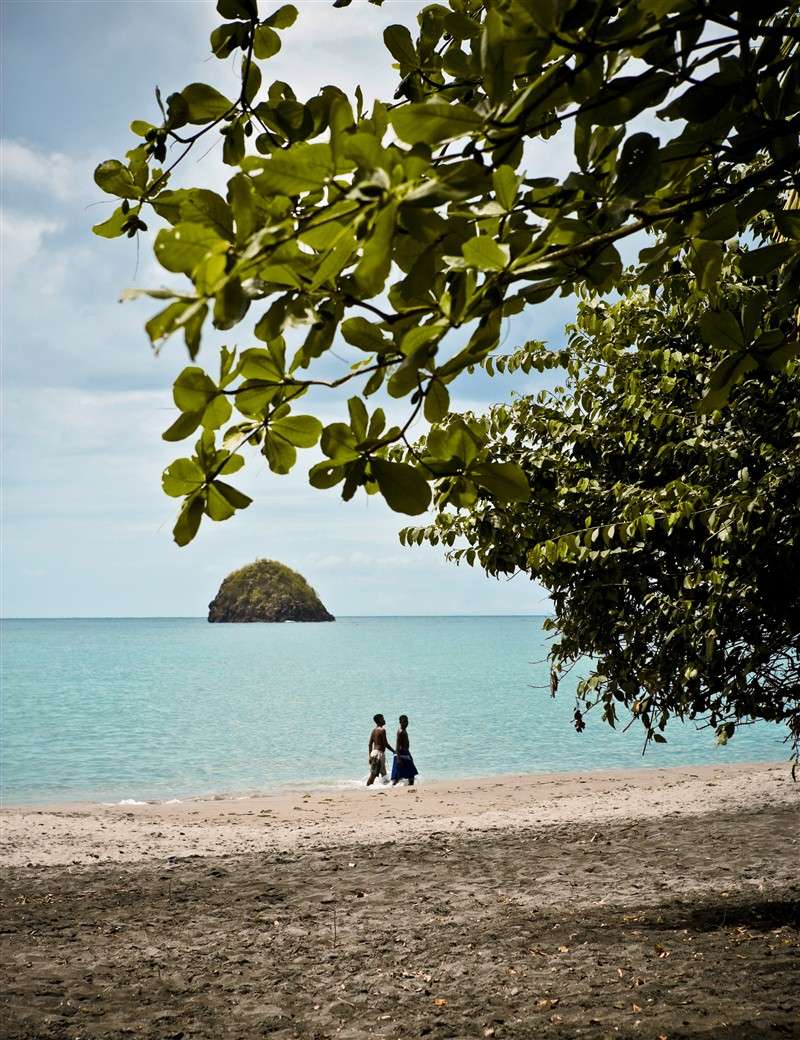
pixel 403 768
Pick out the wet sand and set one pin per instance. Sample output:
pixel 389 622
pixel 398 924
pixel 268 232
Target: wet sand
pixel 653 903
pixel 227 825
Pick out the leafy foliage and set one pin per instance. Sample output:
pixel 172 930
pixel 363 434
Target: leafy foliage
pixel 666 530
pixel 266 590
pixel 415 228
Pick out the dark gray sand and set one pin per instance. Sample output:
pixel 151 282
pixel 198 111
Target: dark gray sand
pixel 673 928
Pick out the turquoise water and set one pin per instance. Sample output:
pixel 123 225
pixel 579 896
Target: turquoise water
pixel 114 709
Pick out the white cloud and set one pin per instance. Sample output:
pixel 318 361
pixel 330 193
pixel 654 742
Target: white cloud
pixel 335 561
pixel 61 175
pixel 22 238
pixel 82 471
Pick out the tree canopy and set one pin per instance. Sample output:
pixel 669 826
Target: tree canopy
pixel 414 228
pixel 667 533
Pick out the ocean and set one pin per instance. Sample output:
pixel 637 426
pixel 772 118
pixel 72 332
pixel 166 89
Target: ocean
pixel 110 710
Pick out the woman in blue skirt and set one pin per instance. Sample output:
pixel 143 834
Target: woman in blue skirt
pixel 403 767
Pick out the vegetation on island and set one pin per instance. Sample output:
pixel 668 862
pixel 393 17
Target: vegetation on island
pixel 413 229
pixel 266 591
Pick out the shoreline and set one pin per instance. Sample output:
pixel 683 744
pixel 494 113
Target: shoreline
pixel 306 816
pixel 320 785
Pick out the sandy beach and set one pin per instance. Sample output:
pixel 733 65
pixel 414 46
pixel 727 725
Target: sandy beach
pixel 647 903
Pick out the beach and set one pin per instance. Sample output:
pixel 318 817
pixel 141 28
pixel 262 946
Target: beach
pixel 642 903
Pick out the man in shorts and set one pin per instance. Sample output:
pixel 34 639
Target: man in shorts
pixel 378 746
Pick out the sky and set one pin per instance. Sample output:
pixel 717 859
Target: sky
pixel 86 529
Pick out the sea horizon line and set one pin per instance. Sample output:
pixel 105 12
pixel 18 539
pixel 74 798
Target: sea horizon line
pixel 202 617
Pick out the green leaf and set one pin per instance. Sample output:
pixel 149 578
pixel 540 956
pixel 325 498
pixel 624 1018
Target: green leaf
pixel 153 294
pixel 233 147
pixel 404 379
pixel 217 413
pixel 141 128
pixel 301 430
pixel 182 477
pixel 230 304
pixel 457 441
pixel 243 9
pixel 188 522
pixel 323 237
pixel 116 179
pixel 192 321
pixel 184 426
pixel 217 506
pixel 758 262
pixel 299 169
pixel 403 486
pixel 225 39
pixel 193 390
pixel 434 122
pixel 505 480
pixel 706 262
pixel 232 464
pixel 721 329
pixel 627 96
pixel 723 379
pixel 364 149
pixel 163 324
pixel 251 400
pixel 325 475
pixel 359 417
pixel 373 268
pixel 336 258
pixel 723 223
pixel 377 424
pixel 113 227
pixel 280 454
pixel 282 18
pixel 204 103
pixel 177 112
pixel 204 207
pixel 776 360
pixel 241 199
pixel 182 248
pixel 437 401
pixel 485 254
pixel 400 44
pixel 638 167
pixel 363 334
pixel 267 42
pixel 506 184
pixel 257 363
pixel 237 498
pixel 338 443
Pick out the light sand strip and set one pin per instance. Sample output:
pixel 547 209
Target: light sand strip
pixel 82 834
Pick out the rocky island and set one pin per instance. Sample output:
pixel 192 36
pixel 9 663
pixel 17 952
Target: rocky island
pixel 266 591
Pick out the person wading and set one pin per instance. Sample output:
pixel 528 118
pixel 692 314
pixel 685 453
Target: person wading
pixel 403 767
pixel 378 746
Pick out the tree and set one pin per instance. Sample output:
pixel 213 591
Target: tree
pixel 666 529
pixel 413 230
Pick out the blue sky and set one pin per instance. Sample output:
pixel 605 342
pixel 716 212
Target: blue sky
pixel 86 528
